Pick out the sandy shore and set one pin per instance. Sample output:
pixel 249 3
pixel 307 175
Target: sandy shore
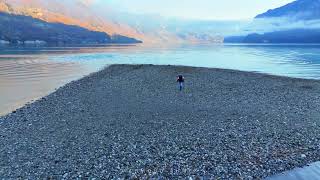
pixel 131 121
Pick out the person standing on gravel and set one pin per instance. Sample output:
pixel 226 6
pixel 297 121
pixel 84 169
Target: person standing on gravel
pixel 180 80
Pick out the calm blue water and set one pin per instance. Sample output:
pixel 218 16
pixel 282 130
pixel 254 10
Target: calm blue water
pixel 29 73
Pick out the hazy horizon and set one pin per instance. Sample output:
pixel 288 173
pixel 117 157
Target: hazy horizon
pixel 190 21
pixel 199 10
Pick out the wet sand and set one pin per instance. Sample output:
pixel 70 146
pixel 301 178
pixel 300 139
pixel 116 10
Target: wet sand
pixel 130 121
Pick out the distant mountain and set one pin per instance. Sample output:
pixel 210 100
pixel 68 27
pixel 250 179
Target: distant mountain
pixel 19 29
pixel 298 10
pixel 123 39
pixel 25 30
pixel 289 36
pixel 70 12
pixel 296 22
pixel 234 39
pixel 97 15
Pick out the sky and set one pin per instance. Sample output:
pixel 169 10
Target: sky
pixel 198 9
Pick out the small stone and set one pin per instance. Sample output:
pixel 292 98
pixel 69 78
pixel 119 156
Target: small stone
pixel 65 175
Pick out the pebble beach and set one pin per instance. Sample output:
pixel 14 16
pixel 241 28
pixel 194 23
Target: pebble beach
pixel 132 122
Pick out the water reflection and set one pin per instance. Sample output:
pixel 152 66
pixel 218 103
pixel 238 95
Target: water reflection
pixel 22 80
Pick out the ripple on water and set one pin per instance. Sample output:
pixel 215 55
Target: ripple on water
pixel 22 80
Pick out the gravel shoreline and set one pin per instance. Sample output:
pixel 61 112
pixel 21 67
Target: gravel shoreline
pixel 130 121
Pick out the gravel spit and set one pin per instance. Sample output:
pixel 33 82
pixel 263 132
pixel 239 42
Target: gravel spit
pixel 131 121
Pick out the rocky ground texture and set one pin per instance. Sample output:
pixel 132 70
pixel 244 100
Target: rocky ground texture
pixel 130 121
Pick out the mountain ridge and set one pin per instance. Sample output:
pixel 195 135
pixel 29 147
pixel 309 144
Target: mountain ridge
pixel 26 30
pixel 297 10
pixel 55 11
pixel 296 22
pixel 99 16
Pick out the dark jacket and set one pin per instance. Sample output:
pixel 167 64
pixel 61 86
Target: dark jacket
pixel 180 79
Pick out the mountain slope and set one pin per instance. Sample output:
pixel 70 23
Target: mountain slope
pixel 96 15
pixel 296 22
pixel 71 12
pixel 19 29
pixel 298 10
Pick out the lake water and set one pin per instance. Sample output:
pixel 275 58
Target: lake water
pixel 29 73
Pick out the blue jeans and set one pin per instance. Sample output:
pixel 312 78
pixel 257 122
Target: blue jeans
pixel 181 85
